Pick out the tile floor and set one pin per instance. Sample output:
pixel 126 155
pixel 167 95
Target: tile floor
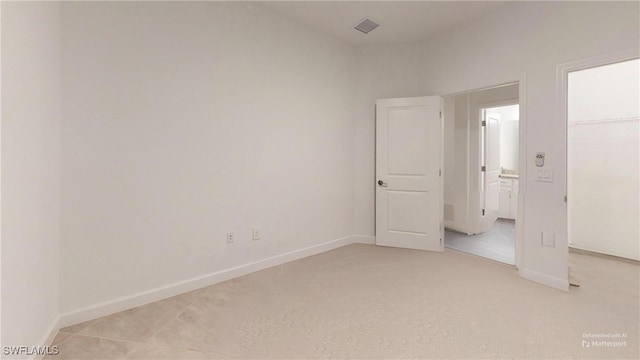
pixel 496 244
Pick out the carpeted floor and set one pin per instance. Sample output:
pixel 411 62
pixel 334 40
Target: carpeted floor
pixel 496 244
pixel 363 301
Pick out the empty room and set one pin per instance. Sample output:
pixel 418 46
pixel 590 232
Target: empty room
pixel 300 179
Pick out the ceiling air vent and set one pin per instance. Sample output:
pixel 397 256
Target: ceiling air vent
pixel 366 25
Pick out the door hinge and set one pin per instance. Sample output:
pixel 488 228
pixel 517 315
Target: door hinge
pixel 565 198
pixel 483 168
pixel 484 123
pixel 439 172
pixel 440 114
pixel 482 212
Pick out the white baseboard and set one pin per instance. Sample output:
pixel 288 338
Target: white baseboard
pixel 142 298
pixel 48 336
pixel 544 279
pixel 364 239
pixel 460 227
pixel 606 252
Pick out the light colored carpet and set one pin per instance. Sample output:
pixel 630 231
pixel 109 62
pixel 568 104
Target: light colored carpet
pixel 363 301
pixel 496 244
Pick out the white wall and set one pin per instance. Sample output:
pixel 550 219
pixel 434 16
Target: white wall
pixel 509 133
pixel 527 40
pixel 30 171
pixel 509 145
pixel 530 39
pixel 604 159
pixel 456 162
pixel 383 72
pixel 604 92
pixel 185 121
pixel 451 162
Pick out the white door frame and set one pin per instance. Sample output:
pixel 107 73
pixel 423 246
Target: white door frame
pixel 521 80
pixel 562 92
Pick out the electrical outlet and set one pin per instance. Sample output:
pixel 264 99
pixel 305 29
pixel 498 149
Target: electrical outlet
pixel 548 239
pixel 256 234
pixel 230 238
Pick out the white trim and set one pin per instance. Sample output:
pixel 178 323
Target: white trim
pixel 500 103
pixel 598 60
pixel 522 168
pixel 364 239
pixel 49 335
pixel 441 173
pixel 457 226
pixel 142 298
pixel 605 252
pixel 544 279
pixel 467 154
pixel 481 88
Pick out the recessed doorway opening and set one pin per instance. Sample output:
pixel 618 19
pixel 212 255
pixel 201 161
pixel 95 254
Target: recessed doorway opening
pixel 603 159
pixel 482 151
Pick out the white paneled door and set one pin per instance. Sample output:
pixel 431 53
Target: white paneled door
pixel 492 166
pixel 409 207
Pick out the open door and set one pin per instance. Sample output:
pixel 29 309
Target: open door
pixel 409 210
pixel 491 168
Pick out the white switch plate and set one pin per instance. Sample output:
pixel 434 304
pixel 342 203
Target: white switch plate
pixel 256 234
pixel 544 174
pixel 548 239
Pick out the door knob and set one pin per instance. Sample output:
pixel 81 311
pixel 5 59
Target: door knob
pixel 382 183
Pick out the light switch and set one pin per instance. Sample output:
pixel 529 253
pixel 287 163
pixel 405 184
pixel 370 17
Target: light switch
pixel 545 175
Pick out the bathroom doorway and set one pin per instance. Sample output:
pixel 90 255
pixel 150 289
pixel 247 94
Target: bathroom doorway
pixel 482 162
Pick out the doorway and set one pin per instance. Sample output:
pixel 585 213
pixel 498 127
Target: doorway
pixel 603 159
pixel 481 170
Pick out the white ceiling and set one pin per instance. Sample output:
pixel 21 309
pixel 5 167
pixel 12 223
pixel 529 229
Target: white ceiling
pixel 400 21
